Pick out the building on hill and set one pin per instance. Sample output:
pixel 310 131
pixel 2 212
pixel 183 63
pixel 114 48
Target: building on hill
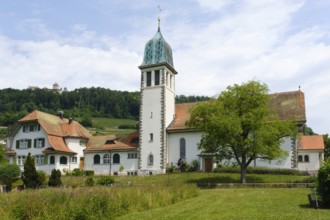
pixel 162 139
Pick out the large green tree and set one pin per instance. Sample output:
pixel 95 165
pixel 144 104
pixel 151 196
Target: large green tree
pixel 9 173
pixel 240 125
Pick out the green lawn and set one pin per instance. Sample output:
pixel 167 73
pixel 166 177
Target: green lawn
pixel 104 126
pixel 239 204
pixel 191 177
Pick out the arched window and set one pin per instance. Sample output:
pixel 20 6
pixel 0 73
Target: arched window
pixel 97 159
pixel 106 159
pixel 300 158
pixel 306 158
pixel 183 148
pixel 151 159
pixel 63 160
pixel 116 158
pixel 52 160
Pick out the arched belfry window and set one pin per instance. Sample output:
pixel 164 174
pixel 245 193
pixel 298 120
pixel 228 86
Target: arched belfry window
pixel 306 158
pixel 300 158
pixel 116 158
pixel 183 148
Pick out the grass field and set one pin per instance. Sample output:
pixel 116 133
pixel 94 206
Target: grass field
pixel 193 178
pixel 104 126
pixel 242 204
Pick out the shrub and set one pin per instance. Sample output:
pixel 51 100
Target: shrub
pixel 30 175
pixel 128 126
pixel 89 172
pixel 42 177
pixel 9 173
pixel 55 178
pixel 90 181
pixel 258 170
pixel 105 180
pixel 77 172
pixel 323 178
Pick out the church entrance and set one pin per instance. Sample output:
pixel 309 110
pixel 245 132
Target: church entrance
pixel 208 164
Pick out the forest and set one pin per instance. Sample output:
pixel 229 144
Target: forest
pixel 94 102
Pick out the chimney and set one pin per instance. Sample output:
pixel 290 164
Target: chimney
pixel 70 120
pixel 60 114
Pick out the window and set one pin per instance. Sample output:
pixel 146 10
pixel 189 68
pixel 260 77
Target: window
pixel 74 159
pixel 106 159
pixel 132 156
pixel 182 148
pixel 20 160
pixel 150 159
pixel 52 160
pixel 151 137
pixel 97 159
pixel 135 141
pixel 300 158
pixel 39 142
pixel 63 160
pixel 82 143
pixel 39 159
pixel 156 77
pixel 110 142
pixel 31 128
pixel 24 144
pixel 306 158
pixel 148 78
pixel 116 158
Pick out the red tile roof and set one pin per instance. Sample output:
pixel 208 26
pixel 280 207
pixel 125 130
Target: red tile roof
pixel 99 143
pixel 289 105
pixel 311 143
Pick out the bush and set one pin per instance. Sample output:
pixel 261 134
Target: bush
pixel 9 173
pixel 43 178
pixel 90 181
pixel 128 126
pixel 323 179
pixel 77 172
pixel 55 178
pixel 105 180
pixel 89 172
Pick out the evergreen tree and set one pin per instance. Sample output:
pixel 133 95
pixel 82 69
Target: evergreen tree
pixel 30 175
pixel 55 178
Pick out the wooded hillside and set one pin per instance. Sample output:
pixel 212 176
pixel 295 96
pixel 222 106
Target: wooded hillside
pixel 95 102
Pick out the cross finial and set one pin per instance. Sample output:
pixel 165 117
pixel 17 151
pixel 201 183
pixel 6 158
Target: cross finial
pixel 159 11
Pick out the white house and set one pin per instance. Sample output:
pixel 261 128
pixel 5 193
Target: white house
pixel 162 139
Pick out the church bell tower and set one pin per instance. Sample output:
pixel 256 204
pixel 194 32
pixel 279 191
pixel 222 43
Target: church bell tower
pixel 157 107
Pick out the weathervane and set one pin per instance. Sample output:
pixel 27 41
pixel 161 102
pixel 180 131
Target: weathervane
pixel 159 11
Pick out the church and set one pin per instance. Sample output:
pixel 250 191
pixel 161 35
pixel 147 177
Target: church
pixel 162 139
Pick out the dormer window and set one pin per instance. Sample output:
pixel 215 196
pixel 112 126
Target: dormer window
pixel 82 143
pixel 110 142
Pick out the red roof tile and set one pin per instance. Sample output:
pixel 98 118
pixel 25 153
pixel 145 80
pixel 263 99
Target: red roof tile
pixel 289 105
pixel 99 143
pixel 311 143
pixel 58 144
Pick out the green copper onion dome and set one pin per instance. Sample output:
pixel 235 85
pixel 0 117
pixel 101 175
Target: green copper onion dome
pixel 157 51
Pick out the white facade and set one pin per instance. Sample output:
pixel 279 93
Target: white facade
pixel 156 113
pixel 309 160
pixel 126 165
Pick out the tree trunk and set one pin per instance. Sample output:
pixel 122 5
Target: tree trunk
pixel 243 174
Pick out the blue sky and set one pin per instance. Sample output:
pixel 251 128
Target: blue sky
pixel 100 43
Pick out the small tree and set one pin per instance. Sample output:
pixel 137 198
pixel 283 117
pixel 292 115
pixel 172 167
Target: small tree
pixel 55 178
pixel 9 173
pixel 326 139
pixel 323 179
pixel 30 175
